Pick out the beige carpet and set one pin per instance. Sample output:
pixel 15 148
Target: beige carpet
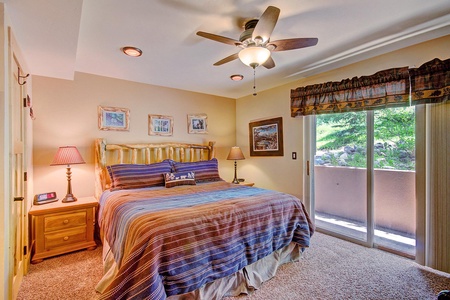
pixel 330 269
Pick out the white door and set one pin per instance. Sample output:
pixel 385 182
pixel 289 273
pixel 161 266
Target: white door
pixel 18 222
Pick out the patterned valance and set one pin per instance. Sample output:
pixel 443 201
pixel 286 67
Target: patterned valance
pixel 387 88
pixel 430 83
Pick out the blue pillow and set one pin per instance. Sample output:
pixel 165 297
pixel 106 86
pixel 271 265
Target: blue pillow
pixel 134 176
pixel 206 170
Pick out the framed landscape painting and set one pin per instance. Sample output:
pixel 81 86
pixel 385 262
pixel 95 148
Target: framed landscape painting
pixel 113 118
pixel 266 137
pixel 160 125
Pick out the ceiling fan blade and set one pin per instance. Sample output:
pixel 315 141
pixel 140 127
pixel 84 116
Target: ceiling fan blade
pixel 269 64
pixel 227 59
pixel 219 38
pixel 290 44
pixel 266 24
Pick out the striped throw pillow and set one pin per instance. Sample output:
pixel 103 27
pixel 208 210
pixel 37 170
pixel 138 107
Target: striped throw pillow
pixel 134 176
pixel 182 178
pixel 206 170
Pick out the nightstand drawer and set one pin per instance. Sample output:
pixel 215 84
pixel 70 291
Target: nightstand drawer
pixel 64 221
pixel 64 238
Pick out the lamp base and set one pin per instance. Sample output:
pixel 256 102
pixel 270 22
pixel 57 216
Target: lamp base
pixel 69 198
pixel 235 180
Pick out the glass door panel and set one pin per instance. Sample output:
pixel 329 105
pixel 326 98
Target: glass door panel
pixel 394 180
pixel 340 176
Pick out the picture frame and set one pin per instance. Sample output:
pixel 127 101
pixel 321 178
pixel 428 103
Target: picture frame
pixel 113 118
pixel 197 123
pixel 266 137
pixel 160 125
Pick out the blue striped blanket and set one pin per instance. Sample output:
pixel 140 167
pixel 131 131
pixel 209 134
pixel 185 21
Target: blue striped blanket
pixel 170 241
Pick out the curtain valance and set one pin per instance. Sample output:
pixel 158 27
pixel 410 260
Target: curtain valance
pixel 387 88
pixel 430 83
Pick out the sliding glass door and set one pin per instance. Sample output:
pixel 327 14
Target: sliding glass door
pixel 340 174
pixel 394 180
pixel 364 178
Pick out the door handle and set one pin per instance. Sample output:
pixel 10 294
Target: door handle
pixel 307 167
pixel 18 198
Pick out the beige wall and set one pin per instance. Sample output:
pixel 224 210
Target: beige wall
pixel 283 173
pixel 279 173
pixel 66 114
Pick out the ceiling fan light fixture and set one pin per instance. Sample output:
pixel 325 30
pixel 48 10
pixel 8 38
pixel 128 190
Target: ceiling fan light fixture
pixel 132 51
pixel 254 56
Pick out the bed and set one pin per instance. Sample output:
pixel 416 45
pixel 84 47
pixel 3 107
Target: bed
pixel 171 228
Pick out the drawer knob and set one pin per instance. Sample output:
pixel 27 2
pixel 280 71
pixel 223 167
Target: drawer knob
pixel 66 222
pixel 66 238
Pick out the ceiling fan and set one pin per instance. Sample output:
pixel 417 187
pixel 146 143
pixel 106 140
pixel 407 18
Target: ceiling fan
pixel 255 41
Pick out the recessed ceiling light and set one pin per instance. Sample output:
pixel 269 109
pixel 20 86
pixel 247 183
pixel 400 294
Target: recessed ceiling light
pixel 132 51
pixel 237 77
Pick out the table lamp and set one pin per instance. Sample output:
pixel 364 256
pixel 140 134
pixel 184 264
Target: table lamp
pixel 68 155
pixel 235 154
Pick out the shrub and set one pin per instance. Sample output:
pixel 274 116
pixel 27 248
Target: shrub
pixel 394 134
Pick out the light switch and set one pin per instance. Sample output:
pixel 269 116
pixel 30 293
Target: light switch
pixel 294 155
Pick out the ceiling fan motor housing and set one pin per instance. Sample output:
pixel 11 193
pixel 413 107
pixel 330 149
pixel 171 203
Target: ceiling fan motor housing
pixel 246 37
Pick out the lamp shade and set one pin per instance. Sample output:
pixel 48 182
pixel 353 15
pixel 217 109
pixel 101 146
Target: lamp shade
pixel 254 56
pixel 67 155
pixel 235 154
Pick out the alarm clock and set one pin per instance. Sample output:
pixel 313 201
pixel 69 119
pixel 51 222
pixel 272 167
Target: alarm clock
pixel 45 198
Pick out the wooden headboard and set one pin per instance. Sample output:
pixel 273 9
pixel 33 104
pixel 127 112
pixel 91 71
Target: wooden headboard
pixel 110 154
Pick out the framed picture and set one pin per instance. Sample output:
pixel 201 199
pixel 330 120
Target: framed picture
pixel 266 137
pixel 160 125
pixel 198 123
pixel 113 118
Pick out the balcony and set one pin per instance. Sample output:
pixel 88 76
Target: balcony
pixel 341 205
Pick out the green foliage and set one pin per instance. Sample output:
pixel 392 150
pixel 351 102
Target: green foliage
pixel 397 126
pixel 356 160
pixel 343 129
pixel 394 134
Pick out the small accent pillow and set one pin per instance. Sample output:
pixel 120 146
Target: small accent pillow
pixel 206 170
pixel 183 178
pixel 134 176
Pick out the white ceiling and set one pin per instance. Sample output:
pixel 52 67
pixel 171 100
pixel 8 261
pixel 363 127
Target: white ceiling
pixel 60 37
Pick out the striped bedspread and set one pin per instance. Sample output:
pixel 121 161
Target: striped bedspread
pixel 170 241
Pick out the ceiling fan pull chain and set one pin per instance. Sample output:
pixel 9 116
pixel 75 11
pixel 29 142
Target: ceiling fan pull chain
pixel 254 82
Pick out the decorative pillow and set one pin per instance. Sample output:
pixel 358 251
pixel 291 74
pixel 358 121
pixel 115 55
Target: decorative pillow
pixel 206 170
pixel 182 178
pixel 134 176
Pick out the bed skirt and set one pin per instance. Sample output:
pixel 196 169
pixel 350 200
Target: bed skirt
pixel 245 281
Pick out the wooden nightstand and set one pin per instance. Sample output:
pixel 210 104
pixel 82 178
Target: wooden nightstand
pixel 58 228
pixel 246 183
